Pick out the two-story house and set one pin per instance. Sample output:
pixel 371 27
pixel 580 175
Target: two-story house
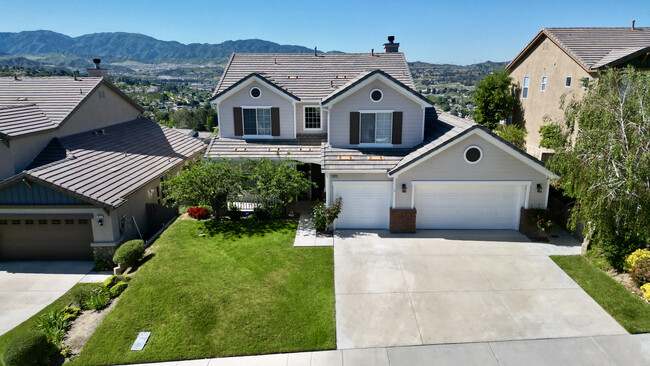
pixel 80 171
pixel 560 62
pixel 370 139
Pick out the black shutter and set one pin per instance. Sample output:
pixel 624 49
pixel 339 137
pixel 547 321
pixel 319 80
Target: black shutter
pixel 239 126
pixel 354 128
pixel 275 121
pixel 397 128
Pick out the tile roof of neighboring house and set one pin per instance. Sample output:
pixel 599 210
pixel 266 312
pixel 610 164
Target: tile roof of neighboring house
pixel 349 159
pixel 32 104
pixel 312 77
pixel 304 148
pixel 106 168
pixel 594 48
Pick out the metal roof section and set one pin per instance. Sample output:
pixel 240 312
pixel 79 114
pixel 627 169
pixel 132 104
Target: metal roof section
pixel 309 76
pixel 593 48
pixel 107 165
pixel 306 148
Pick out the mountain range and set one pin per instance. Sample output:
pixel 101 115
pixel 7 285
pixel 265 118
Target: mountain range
pixel 132 46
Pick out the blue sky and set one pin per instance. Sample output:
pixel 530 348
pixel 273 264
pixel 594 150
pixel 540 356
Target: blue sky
pixel 460 31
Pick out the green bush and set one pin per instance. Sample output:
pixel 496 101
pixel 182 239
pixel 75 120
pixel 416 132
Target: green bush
pixel 552 136
pixel 513 134
pixel 129 253
pixel 640 273
pixel 70 313
pixel 268 212
pixel 112 280
pixel 79 295
pixel 234 213
pixel 98 298
pixel 323 216
pixel 637 255
pixel 29 348
pixel 54 325
pixel 118 288
pixel 103 265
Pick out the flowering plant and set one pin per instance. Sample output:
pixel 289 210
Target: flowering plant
pixel 199 213
pixel 324 216
pixel 540 220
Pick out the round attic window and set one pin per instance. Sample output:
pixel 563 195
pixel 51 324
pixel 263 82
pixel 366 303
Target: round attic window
pixel 473 154
pixel 376 95
pixel 255 92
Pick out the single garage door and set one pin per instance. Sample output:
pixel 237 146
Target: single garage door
pixel 46 237
pixel 366 205
pixel 465 205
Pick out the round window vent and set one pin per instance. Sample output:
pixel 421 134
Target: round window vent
pixel 376 95
pixel 473 154
pixel 255 92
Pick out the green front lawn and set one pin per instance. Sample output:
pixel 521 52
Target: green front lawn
pixel 30 323
pixel 241 289
pixel 627 308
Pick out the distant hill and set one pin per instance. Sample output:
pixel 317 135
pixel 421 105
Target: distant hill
pixel 133 46
pixel 426 74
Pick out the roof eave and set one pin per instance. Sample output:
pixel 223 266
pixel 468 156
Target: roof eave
pixel 244 80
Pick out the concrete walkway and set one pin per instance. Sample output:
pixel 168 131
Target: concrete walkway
pixel 306 235
pixel 621 350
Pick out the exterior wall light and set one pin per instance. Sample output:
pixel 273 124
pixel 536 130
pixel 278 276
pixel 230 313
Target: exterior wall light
pixel 539 188
pixel 100 219
pixel 403 187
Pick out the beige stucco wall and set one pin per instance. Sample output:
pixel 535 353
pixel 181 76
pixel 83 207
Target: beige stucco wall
pixel 556 65
pixel 413 114
pixel 450 165
pixel 269 98
pixel 300 119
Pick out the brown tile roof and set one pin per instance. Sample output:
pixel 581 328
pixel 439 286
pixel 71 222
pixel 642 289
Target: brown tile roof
pixel 21 119
pixel 594 48
pixel 106 168
pixel 302 149
pixel 312 77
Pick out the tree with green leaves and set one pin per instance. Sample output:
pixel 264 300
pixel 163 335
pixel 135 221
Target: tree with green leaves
pixel 204 183
pixel 494 99
pixel 607 168
pixel 514 134
pixel 276 179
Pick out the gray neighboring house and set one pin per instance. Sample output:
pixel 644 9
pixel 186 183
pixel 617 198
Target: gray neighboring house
pixel 80 172
pixel 366 136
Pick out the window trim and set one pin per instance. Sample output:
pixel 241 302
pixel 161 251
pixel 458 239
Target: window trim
pixel 544 82
pixel 380 92
pixel 376 144
pixel 250 91
pixel 472 147
pixel 256 126
pixel 570 80
pixel 525 88
pixel 304 117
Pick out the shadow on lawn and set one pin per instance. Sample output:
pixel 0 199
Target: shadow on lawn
pixel 238 229
pixel 142 261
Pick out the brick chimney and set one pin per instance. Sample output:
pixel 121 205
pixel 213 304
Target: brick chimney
pixel 391 46
pixel 97 71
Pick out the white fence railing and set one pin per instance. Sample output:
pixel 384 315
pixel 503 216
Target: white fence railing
pixel 245 202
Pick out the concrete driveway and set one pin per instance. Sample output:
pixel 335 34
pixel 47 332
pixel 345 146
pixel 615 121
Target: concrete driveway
pixel 28 287
pixel 456 286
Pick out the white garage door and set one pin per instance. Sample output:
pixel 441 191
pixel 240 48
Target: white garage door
pixel 468 206
pixel 366 205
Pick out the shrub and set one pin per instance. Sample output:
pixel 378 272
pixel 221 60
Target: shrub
pixel 268 212
pixel 637 255
pixel 103 265
pixel 112 280
pixel 513 134
pixel 129 253
pixel 640 273
pixel 323 216
pixel 646 291
pixel 234 212
pixel 29 348
pixel 98 298
pixel 540 219
pixel 118 288
pixel 552 136
pixel 79 295
pixel 198 213
pixel 54 325
pixel 70 313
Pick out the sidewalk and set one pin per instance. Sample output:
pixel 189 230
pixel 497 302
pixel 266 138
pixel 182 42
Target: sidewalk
pixel 621 350
pixel 306 235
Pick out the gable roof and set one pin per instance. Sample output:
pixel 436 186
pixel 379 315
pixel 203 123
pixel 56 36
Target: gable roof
pixel 594 48
pixel 34 104
pixel 104 168
pixel 366 78
pixel 250 78
pixel 310 77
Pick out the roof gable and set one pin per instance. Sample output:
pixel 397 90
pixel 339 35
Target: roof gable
pixel 250 79
pixel 24 192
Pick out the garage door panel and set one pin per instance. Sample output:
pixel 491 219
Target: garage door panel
pixel 365 206
pixel 480 206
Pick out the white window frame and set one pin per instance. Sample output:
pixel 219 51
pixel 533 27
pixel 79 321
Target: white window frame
pixel 544 80
pixel 570 80
pixel 257 135
pixel 304 118
pixel 376 144
pixel 526 87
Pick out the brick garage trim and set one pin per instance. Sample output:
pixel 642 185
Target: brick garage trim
pixel 402 220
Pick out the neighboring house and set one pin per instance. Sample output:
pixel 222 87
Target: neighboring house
pixel 79 171
pixel 560 62
pixel 369 138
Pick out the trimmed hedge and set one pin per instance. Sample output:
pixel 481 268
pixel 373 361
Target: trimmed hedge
pixel 29 348
pixel 119 287
pixel 129 253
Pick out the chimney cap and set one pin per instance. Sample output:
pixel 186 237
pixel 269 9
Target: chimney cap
pixel 391 39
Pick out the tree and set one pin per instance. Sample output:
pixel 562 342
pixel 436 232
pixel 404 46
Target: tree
pixel 204 183
pixel 607 168
pixel 494 99
pixel 513 134
pixel 276 179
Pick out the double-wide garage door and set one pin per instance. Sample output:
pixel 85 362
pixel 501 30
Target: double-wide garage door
pixel 468 205
pixel 366 205
pixel 45 237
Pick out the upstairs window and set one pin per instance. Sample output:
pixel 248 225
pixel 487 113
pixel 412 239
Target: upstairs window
pixel 312 118
pixel 567 82
pixel 524 92
pixel 376 127
pixel 257 121
pixel 543 83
